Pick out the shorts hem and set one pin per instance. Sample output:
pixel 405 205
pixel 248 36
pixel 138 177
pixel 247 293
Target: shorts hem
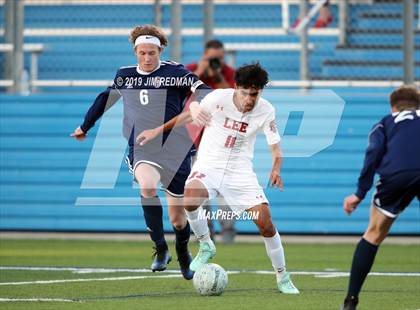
pixel 146 162
pixel 171 193
pixel 202 183
pixel 386 213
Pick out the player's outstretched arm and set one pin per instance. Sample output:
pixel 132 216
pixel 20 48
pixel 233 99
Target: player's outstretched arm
pixel 275 177
pixel 102 103
pixel 350 203
pixel 150 134
pixel 197 114
pixel 78 134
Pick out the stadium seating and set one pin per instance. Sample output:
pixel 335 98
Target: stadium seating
pixel 42 168
pixel 98 57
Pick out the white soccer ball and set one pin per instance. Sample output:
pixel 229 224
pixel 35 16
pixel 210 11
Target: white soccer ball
pixel 210 280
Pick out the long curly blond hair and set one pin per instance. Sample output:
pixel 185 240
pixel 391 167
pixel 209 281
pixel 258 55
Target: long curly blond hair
pixel 149 30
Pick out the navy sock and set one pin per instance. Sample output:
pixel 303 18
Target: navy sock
pixel 153 215
pixel 363 258
pixel 182 237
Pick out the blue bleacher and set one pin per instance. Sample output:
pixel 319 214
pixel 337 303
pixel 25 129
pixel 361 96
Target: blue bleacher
pixel 98 57
pixel 374 36
pixel 42 168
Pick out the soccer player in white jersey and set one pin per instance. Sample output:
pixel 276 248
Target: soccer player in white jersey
pixel 233 117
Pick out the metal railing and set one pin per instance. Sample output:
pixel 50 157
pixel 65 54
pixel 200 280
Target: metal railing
pixel 304 46
pixel 35 50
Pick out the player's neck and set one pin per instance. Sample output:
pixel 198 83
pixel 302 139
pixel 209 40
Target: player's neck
pixel 141 71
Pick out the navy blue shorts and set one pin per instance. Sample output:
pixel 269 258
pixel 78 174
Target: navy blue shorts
pixel 172 182
pixel 394 193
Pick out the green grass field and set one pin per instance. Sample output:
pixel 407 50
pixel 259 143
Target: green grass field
pixel 132 289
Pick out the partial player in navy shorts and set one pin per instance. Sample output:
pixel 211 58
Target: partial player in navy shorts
pixel 172 182
pixel 393 194
pixel 393 153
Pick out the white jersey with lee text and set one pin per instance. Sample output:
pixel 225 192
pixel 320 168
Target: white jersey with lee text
pixel 228 141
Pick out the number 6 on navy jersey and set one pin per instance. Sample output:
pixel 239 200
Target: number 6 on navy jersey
pixel 144 97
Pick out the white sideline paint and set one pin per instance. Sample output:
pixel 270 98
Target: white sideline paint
pixel 175 274
pixel 90 280
pixel 36 300
pixel 82 270
pixel 337 274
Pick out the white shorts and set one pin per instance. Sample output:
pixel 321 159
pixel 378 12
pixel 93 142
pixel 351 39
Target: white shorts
pixel 240 189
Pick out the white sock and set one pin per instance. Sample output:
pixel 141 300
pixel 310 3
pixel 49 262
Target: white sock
pixel 199 224
pixel 276 254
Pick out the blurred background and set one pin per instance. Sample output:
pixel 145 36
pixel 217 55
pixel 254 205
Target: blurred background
pixel 57 55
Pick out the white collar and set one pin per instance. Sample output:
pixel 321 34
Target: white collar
pixel 140 71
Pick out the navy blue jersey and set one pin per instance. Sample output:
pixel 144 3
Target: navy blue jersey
pixel 394 147
pixel 150 100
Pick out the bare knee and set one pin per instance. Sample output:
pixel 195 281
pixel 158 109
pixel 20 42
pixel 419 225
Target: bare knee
pixel 148 192
pixel 378 228
pixel 194 197
pixel 375 235
pixel 266 228
pixel 178 222
pixel 148 187
pixel 177 217
pixel 148 179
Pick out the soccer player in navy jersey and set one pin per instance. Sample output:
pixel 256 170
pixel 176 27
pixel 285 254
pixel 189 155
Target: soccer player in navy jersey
pixel 154 92
pixel 394 153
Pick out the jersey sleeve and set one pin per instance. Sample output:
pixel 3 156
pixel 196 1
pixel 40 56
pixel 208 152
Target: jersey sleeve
pixel 373 157
pixel 103 102
pixel 209 102
pixel 270 128
pixel 198 89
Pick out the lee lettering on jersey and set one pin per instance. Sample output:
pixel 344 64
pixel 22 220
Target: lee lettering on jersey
pixel 235 125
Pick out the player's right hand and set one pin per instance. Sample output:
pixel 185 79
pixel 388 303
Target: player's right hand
pixel 199 115
pixel 78 134
pixel 147 135
pixel 276 180
pixel 350 203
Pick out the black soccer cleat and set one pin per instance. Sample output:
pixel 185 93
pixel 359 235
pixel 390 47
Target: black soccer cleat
pixel 350 303
pixel 161 258
pixel 184 260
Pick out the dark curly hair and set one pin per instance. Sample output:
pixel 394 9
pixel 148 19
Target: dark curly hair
pixel 405 98
pixel 251 76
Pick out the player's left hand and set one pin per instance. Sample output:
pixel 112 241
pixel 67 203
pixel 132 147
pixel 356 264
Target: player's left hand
pixel 350 203
pixel 199 116
pixel 147 135
pixel 276 180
